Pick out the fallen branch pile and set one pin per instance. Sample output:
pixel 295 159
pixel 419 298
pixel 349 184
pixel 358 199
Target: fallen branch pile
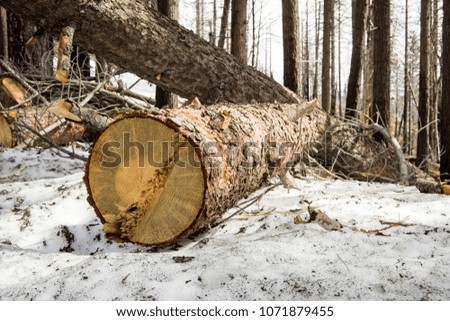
pixel 41 110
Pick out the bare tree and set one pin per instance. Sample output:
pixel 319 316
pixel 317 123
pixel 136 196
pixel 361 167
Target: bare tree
pixel 333 60
pixel 291 46
pixel 341 111
pixel 306 55
pixel 239 30
pixel 169 8
pixel 435 82
pixel 224 23
pixel 4 33
pixel 326 55
pixel 316 64
pixel 382 62
pixel 406 106
pixel 368 60
pixel 445 100
pixel 254 34
pixel 359 16
pixel 424 80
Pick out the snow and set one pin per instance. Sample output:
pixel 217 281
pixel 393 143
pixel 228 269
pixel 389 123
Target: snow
pixel 52 246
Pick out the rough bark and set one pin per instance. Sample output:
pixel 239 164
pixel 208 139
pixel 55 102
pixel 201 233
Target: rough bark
pixel 317 45
pixel 3 33
pixel 224 23
pixel 445 100
pixel 333 61
pixel 368 69
pixel 239 30
pixel 169 8
pixel 291 46
pixel 200 163
pixel 306 80
pixel 326 56
pixel 139 40
pixel 406 139
pixel 435 83
pixel 381 111
pixel 424 84
pixel 359 16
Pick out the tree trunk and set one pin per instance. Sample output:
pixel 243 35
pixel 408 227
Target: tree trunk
pixel 214 24
pixel 157 177
pixel 317 45
pixel 424 80
pixel 368 60
pixel 381 112
pixel 139 40
pixel 445 100
pixel 306 80
pixel 239 30
pixel 359 16
pixel 333 61
pixel 169 8
pixel 224 23
pixel 406 137
pixel 291 46
pixel 341 110
pixel 434 84
pixel 327 14
pixel 3 33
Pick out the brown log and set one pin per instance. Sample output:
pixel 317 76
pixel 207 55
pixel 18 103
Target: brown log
pixel 6 134
pixel 138 39
pixel 157 177
pixel 13 130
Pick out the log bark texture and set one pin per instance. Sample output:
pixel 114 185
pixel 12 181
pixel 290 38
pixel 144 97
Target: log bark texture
pixel 140 40
pixel 214 157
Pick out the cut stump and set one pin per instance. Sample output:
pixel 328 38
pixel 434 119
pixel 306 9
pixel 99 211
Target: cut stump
pixel 157 177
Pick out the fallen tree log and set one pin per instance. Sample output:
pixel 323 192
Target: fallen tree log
pixel 157 177
pixel 14 124
pixel 139 39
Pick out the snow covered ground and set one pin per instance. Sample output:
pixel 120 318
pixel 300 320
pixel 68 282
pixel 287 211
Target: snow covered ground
pixel 52 247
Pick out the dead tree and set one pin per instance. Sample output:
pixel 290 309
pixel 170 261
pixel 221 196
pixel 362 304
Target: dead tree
pixel 239 30
pixel 424 79
pixel 169 8
pixel 139 39
pixel 224 23
pixel 292 46
pixel 326 56
pixel 381 111
pixel 445 101
pixel 359 14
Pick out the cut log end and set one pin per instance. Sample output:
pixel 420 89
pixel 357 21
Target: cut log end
pixel 145 182
pixel 6 134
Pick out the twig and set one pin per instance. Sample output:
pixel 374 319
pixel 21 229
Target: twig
pixel 248 203
pixel 92 93
pixel 18 172
pixel 343 262
pixel 311 159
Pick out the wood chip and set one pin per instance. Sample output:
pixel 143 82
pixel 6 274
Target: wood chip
pixel 62 108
